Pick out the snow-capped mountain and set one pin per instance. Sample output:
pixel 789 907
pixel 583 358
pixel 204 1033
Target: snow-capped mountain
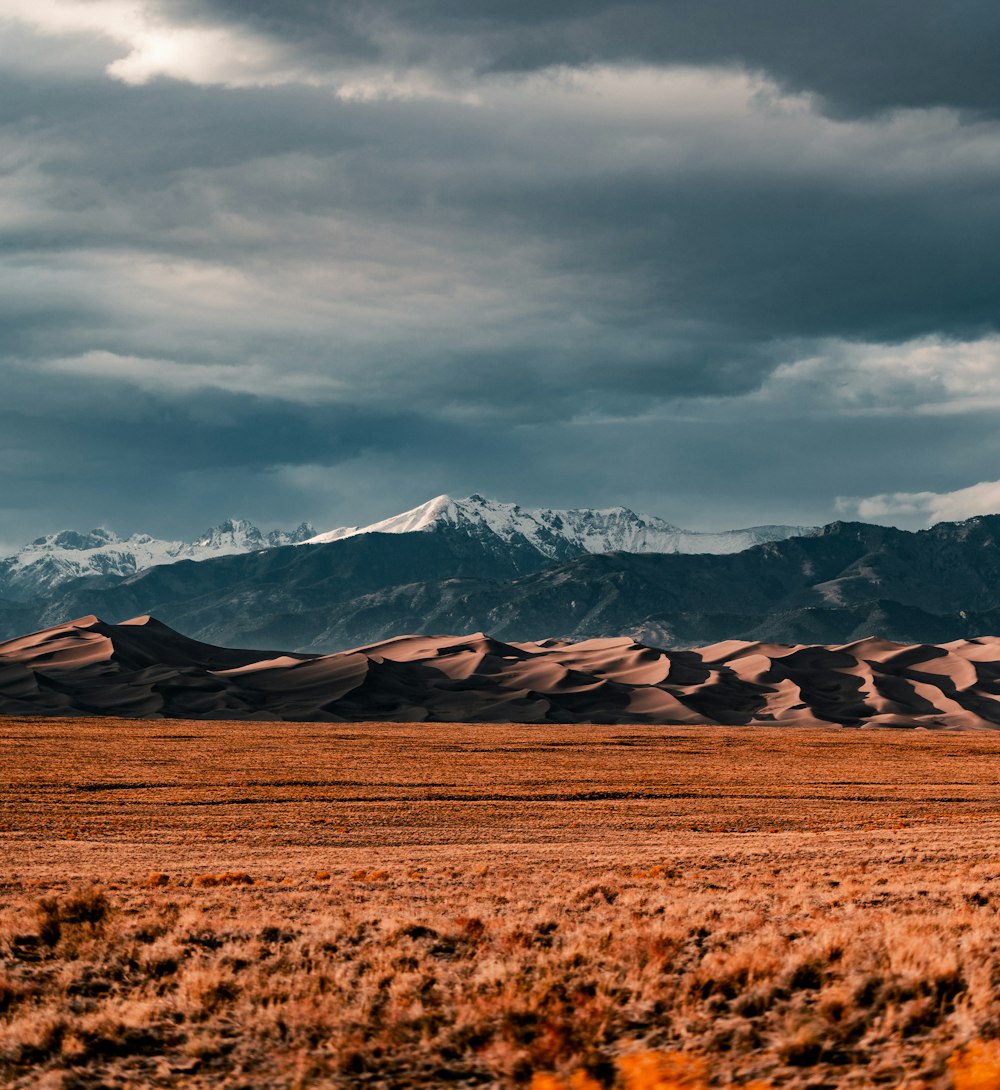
pixel 524 537
pixel 560 534
pixel 49 561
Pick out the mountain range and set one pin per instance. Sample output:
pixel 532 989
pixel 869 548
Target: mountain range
pixel 528 575
pixel 55 559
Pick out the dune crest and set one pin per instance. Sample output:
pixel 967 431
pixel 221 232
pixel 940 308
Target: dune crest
pixel 142 668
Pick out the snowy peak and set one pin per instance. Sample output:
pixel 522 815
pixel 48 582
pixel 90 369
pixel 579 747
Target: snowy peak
pixel 233 533
pixel 440 511
pixel 56 558
pixel 239 536
pixel 71 539
pixel 560 534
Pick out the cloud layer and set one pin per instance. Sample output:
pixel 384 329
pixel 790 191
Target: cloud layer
pixel 326 260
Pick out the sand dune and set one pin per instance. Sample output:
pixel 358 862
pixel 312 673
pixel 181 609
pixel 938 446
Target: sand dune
pixel 142 668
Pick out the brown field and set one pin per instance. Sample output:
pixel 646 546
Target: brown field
pixel 197 904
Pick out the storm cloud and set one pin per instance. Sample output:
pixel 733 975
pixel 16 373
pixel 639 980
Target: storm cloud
pixel 729 263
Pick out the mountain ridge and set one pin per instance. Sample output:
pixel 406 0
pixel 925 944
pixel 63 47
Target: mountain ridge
pixel 847 581
pixel 559 533
pixel 54 559
pixel 842 582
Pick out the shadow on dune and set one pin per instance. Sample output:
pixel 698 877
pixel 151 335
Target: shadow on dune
pixel 142 668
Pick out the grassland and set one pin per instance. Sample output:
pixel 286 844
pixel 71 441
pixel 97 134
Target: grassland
pixel 191 904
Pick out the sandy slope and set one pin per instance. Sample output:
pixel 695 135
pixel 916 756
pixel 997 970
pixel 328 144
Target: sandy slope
pixel 143 668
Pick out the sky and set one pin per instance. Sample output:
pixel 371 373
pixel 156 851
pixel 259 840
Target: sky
pixel 726 263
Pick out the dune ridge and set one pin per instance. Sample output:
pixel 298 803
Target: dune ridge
pixel 141 668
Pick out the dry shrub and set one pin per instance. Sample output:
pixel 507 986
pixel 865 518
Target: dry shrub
pixel 80 908
pixel 804 1044
pixel 12 992
pixel 836 1003
pixel 657 871
pixel 157 879
pixel 161 959
pixel 205 992
pixel 229 878
pixel 39 1037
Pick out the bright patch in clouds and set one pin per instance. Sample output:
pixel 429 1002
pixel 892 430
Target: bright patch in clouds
pixel 171 377
pixel 202 54
pixel 157 46
pixel 927 508
pixel 930 376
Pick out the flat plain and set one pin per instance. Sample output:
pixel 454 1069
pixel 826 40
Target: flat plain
pixel 202 904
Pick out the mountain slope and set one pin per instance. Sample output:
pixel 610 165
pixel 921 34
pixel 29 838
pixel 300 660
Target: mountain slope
pixel 561 534
pixel 850 580
pixel 142 668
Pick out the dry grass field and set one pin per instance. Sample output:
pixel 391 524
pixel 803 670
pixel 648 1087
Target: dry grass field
pixel 193 904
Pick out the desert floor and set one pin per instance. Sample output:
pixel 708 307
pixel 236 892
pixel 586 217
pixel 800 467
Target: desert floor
pixel 206 904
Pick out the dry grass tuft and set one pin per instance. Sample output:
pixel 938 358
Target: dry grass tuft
pixel 83 908
pixel 229 878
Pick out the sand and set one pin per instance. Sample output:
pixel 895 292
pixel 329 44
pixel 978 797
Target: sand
pixel 141 668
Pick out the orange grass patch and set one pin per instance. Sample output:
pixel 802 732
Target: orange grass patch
pixel 579 908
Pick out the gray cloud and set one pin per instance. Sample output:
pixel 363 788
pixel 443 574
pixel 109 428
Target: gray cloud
pixel 584 253
pixel 860 56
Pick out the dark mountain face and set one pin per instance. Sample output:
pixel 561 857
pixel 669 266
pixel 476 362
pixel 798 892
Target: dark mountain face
pixel 849 581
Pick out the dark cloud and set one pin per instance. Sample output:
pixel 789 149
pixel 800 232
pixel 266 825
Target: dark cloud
pixel 573 287
pixel 633 278
pixel 137 460
pixel 860 56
